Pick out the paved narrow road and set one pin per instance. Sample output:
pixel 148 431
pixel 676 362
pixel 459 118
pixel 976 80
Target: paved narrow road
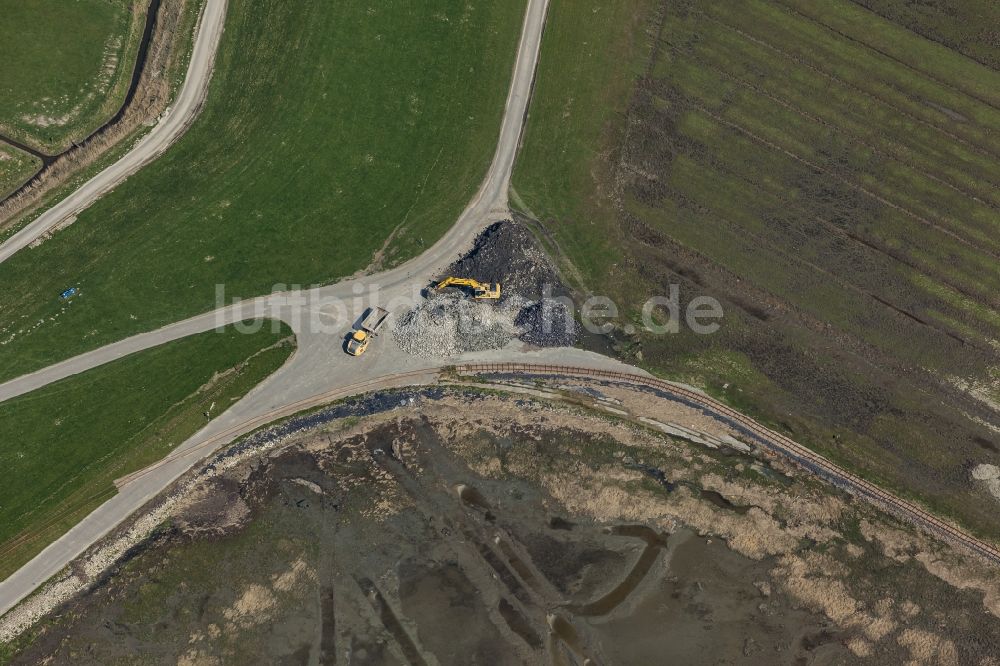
pixel 320 371
pixel 169 129
pixel 320 318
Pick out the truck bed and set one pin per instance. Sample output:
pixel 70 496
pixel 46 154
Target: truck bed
pixel 374 319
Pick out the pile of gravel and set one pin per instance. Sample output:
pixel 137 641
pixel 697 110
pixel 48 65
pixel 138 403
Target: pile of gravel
pixel 451 323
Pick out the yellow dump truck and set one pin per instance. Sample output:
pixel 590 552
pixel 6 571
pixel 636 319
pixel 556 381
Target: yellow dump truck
pixel 366 330
pixel 480 290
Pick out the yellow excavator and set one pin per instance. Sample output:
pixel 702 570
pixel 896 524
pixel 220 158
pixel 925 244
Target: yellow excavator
pixel 480 290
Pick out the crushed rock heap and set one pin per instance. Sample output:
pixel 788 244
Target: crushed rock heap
pixel 450 323
pixel 506 252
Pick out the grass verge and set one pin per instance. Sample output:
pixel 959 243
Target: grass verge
pixel 65 74
pixel 16 166
pixel 63 445
pixel 330 128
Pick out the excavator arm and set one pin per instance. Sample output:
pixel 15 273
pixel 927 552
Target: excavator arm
pixel 480 290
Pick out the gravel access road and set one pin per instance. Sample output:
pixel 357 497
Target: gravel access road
pixel 320 371
pixel 320 318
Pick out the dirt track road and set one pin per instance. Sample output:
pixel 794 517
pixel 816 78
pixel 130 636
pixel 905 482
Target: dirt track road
pixel 169 129
pixel 319 318
pixel 320 371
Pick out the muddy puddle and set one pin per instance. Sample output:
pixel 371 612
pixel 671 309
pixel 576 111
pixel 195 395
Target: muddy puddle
pixel 460 570
pixel 716 498
pixel 433 542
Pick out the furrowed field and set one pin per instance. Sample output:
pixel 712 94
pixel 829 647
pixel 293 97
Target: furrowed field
pixel 332 132
pixel 63 445
pixel 62 77
pixel 831 176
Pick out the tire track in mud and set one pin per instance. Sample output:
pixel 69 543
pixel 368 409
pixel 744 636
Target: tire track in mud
pixel 909 263
pixel 836 231
pixel 991 301
pixel 941 226
pixel 845 233
pixel 914 31
pixel 603 605
pixel 874 49
pixel 741 231
pixel 391 621
pixel 137 71
pixel 529 593
pixel 860 188
pixel 852 345
pixel 926 271
pixel 328 625
pixel 473 536
pixel 839 232
pixel 771 441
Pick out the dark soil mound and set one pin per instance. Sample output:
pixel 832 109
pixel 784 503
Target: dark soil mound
pixel 547 323
pixel 507 253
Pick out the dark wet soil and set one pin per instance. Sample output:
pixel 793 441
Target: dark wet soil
pixel 706 608
pixel 411 557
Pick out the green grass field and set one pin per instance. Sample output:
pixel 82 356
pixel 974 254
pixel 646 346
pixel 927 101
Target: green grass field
pixel 330 128
pixel 753 144
pixel 16 166
pixel 591 56
pixel 62 446
pixel 832 177
pixel 66 68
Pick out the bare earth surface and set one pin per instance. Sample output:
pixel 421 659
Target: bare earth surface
pixel 546 529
